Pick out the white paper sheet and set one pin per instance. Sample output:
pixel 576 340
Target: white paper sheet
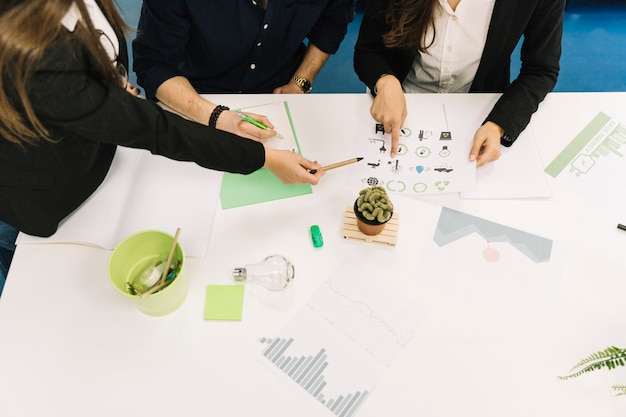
pixel 431 159
pixel 144 191
pixel 519 171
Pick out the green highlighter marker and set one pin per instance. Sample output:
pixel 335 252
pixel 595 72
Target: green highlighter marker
pixel 316 236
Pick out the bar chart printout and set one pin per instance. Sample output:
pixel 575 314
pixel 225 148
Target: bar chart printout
pixel 340 343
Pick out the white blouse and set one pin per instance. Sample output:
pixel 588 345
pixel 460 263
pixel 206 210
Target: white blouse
pixel 451 62
pixel 109 38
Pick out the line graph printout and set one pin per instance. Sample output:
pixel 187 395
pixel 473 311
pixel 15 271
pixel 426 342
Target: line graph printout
pixel 430 160
pixel 594 163
pixel 340 343
pixel 509 256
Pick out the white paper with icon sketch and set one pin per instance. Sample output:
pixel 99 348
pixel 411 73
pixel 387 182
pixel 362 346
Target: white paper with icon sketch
pixel 278 115
pixel 143 192
pixel 518 173
pixel 431 159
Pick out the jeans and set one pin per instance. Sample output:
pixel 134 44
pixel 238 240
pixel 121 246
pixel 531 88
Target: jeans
pixel 8 234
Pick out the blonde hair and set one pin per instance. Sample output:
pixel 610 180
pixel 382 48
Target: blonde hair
pixel 27 29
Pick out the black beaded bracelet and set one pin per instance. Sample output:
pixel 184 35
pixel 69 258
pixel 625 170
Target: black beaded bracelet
pixel 215 114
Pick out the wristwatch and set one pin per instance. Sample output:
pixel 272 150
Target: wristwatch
pixel 305 85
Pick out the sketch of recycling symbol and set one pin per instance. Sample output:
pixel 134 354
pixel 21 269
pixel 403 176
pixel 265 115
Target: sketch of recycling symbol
pixel 441 185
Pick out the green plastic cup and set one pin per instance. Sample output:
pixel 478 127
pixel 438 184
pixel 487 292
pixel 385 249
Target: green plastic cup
pixel 138 252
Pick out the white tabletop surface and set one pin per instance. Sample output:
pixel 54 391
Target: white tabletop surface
pixel 70 345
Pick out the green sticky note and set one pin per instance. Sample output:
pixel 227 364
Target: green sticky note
pixel 224 302
pixel 258 187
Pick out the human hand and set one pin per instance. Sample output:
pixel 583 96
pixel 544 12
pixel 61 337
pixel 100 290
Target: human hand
pixel 486 146
pixel 291 168
pixel 231 122
pixel 389 108
pixel 289 88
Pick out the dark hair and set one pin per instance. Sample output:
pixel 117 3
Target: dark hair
pixel 409 21
pixel 27 28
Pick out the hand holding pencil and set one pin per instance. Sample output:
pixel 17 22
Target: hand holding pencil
pixel 337 165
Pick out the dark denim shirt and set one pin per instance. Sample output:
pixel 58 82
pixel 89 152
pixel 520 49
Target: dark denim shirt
pixel 233 46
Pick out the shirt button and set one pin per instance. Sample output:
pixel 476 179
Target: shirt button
pixel 450 48
pixel 265 26
pixel 258 44
pixel 254 2
pixel 252 66
pixel 454 18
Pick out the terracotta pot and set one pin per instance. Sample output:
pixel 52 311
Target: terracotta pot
pixel 368 227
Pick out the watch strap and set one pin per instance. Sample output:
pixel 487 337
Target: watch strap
pixel 304 84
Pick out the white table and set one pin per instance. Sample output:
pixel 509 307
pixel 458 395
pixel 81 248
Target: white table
pixel 70 345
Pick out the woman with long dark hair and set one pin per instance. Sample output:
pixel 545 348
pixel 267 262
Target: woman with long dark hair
pixel 448 46
pixel 65 106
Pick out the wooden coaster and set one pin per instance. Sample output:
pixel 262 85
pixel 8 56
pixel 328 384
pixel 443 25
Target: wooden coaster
pixel 388 236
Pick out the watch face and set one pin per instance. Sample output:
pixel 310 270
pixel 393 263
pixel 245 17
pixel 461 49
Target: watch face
pixel 306 86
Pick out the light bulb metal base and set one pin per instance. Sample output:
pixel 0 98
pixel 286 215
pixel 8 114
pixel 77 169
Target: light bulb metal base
pixel 274 273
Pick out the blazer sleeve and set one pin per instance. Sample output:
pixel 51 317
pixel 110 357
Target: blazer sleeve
pixel 72 101
pixel 540 55
pixel 371 57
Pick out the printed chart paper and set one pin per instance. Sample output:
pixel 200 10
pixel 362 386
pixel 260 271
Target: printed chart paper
pixel 501 255
pixel 431 159
pixel 261 186
pixel 594 164
pixel 338 346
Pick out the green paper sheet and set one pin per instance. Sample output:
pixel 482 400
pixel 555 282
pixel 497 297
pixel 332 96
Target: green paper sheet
pixel 261 186
pixel 224 302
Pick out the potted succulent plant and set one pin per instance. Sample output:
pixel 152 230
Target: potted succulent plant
pixel 372 209
pixel 609 358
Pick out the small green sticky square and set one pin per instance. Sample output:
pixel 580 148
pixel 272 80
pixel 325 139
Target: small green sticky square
pixel 224 302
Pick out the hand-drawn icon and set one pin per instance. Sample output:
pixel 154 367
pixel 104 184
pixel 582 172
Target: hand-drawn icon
pixel 420 187
pixel 405 132
pixel 380 128
pixel 402 150
pixel 422 152
pixel 374 164
pixel 419 169
pixel 395 166
pixel 424 134
pixel 401 186
pixel 372 181
pixel 444 152
pixel 445 136
pixel 443 168
pixel 382 148
pixel 442 185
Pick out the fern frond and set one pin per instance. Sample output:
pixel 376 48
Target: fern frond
pixel 609 358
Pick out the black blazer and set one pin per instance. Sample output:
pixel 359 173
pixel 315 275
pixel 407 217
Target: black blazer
pixel 539 21
pixel 87 118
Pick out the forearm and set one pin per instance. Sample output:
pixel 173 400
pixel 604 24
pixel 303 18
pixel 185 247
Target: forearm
pixel 313 61
pixel 178 94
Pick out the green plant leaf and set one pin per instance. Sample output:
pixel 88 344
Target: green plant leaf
pixel 609 358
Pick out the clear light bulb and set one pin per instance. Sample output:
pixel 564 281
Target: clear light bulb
pixel 274 273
